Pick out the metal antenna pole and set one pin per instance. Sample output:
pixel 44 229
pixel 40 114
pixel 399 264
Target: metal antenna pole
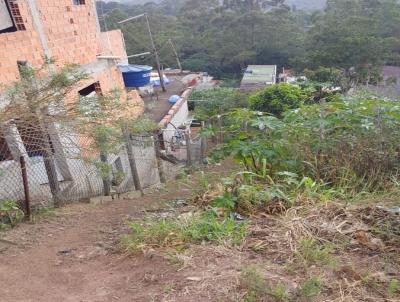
pixel 176 54
pixel 160 73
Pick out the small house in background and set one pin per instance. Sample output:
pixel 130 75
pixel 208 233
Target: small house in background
pixel 289 76
pixel 258 76
pixel 391 77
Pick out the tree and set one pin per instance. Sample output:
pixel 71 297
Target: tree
pixel 276 99
pixel 355 36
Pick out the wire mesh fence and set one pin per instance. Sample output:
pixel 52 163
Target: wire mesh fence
pixel 63 165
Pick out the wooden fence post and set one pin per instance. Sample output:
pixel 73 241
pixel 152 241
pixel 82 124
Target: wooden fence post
pixel 50 166
pixel 220 134
pixel 188 149
pixel 203 143
pixel 160 167
pixel 132 163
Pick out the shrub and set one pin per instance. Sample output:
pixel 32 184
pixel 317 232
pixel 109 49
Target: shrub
pixel 277 99
pixel 353 145
pixel 211 102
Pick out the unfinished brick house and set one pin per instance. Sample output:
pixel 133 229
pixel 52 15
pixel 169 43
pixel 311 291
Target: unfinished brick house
pixel 67 31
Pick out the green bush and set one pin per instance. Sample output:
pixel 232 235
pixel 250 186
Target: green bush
pixel 211 102
pixel 351 144
pixel 276 99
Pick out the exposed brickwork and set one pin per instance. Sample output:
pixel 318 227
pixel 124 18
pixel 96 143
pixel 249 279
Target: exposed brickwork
pixel 72 36
pixel 19 46
pixel 112 43
pixel 16 15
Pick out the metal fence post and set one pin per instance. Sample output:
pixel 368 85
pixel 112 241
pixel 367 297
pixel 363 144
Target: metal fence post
pixel 26 188
pixel 132 162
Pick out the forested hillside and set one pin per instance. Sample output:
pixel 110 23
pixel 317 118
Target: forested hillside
pixel 353 37
pixel 299 4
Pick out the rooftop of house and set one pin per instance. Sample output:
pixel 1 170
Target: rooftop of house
pixel 259 74
pixel 391 71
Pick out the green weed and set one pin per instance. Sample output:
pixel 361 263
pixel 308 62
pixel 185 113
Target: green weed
pixel 279 292
pixel 393 287
pixel 253 281
pixel 10 214
pixel 169 288
pixel 311 252
pixel 43 213
pixel 311 288
pixel 176 232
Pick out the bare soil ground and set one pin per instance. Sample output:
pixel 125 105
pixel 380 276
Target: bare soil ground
pixel 75 256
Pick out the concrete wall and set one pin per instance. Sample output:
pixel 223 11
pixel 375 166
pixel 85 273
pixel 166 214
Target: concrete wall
pixel 86 179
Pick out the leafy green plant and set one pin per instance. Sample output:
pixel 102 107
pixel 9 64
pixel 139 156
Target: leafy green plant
pixel 351 144
pixel 10 213
pixel 211 102
pixel 278 98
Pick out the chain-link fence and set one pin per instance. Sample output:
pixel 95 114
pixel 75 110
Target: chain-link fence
pixel 50 163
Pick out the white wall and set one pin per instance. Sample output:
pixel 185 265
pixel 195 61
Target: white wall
pixel 180 118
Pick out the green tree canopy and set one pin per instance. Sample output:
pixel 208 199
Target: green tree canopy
pixel 276 99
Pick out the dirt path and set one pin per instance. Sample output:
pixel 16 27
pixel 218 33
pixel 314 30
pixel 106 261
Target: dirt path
pixel 73 256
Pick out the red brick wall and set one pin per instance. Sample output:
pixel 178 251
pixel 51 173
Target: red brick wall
pixel 71 30
pixel 72 36
pixel 112 43
pixel 20 45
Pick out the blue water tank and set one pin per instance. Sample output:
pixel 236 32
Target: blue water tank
pixel 136 75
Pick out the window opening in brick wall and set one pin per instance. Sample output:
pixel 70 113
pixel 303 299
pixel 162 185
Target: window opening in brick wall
pixel 5 153
pixel 79 2
pixel 6 21
pixel 16 15
pixel 88 102
pixel 10 17
pixel 90 90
